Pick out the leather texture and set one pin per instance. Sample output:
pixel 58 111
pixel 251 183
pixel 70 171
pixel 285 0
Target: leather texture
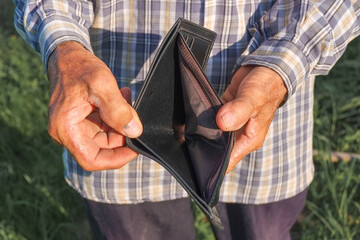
pixel 177 106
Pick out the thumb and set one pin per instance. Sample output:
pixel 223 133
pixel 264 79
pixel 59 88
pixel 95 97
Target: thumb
pixel 116 111
pixel 237 108
pixel 245 96
pixel 234 114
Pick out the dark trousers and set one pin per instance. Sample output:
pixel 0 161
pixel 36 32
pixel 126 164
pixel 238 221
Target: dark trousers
pixel 174 220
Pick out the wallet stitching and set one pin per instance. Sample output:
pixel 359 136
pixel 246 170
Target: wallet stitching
pixel 202 79
pixel 209 46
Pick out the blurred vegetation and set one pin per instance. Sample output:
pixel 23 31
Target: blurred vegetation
pixel 333 206
pixel 36 203
pixel 337 105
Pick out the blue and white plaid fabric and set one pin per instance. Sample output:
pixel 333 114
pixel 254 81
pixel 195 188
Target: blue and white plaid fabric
pixel 299 39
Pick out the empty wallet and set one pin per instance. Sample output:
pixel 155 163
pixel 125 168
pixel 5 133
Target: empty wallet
pixel 177 107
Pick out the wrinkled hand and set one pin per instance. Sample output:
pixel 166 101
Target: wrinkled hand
pixel 88 114
pixel 251 100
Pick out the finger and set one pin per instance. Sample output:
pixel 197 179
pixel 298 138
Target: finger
pixel 92 157
pixel 234 115
pixel 114 158
pixel 239 101
pixel 106 159
pixel 96 151
pixel 58 127
pixel 115 139
pixel 105 136
pixel 115 111
pixel 94 122
pixel 252 136
pixel 126 93
pixel 110 139
pixel 247 143
pixel 248 96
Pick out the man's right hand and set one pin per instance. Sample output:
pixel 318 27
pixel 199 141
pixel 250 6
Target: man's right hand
pixel 88 114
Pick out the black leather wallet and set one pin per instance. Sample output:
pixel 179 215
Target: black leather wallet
pixel 177 107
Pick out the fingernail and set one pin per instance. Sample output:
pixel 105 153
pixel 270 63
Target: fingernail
pixel 132 129
pixel 228 119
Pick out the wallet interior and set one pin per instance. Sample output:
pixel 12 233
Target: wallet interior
pixel 205 143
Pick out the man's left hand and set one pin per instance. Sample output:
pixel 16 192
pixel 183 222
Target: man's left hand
pixel 250 102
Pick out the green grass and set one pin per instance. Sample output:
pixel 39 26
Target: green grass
pixel 333 205
pixel 333 209
pixel 36 203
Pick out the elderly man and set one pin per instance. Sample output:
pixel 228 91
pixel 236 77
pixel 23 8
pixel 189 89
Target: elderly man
pixel 263 64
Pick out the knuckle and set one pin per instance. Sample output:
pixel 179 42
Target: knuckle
pixel 53 132
pixel 258 144
pixel 86 163
pixel 89 167
pixel 100 77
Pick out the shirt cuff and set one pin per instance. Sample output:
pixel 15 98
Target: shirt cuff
pixel 58 29
pixel 284 57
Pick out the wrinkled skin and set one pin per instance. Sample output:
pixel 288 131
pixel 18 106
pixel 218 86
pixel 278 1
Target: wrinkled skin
pixel 251 100
pixel 90 116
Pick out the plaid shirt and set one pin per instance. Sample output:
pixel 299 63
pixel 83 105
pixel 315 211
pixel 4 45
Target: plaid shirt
pixel 297 39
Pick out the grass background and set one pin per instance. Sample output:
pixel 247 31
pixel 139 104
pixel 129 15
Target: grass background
pixel 36 203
